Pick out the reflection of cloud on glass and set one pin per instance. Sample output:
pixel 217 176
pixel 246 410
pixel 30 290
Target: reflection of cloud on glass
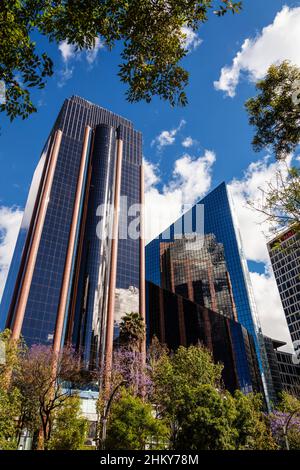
pixel 34 189
pixel 126 301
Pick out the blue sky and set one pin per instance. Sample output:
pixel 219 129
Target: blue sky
pixel 215 121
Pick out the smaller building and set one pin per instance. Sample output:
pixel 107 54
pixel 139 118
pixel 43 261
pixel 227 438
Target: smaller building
pixel 285 374
pixel 284 251
pixel 177 321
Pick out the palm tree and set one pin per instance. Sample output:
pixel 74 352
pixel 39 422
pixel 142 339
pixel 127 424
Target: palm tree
pixel 132 331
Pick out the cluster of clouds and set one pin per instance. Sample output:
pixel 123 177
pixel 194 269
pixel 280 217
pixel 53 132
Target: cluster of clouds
pixel 276 42
pixel 168 137
pixel 190 180
pixel 69 54
pixel 10 222
pixel 191 39
pixel 191 177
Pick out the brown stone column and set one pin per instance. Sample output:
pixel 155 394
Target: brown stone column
pixel 235 317
pixel 181 322
pixel 113 268
pixel 36 238
pixel 162 317
pixel 71 245
pixel 213 296
pixel 142 260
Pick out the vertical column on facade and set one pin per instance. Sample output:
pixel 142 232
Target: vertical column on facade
pixel 232 353
pixel 181 322
pixel 83 222
pixel 210 275
pixel 189 279
pixel 162 317
pixel 142 292
pixel 60 320
pixel 113 268
pixel 231 296
pixel 207 329
pixel 36 238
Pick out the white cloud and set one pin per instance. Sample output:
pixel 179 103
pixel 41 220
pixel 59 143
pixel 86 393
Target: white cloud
pixel 166 138
pixel 188 142
pixel 254 232
pixel 65 75
pixel 10 222
pixel 269 307
pixel 277 42
pixel 253 226
pixel 92 54
pixel 191 179
pixel 191 39
pixel 69 53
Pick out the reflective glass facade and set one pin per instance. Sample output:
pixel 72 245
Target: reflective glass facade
pixel 178 321
pixel 285 374
pixel 219 220
pixel 284 253
pixel 196 269
pixel 85 311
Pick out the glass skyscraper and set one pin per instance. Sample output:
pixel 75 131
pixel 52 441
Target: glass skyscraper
pixel 177 321
pixel 284 251
pixel 73 276
pixel 196 269
pixel 219 220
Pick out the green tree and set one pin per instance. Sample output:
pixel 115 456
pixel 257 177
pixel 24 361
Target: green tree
pixel 151 32
pixel 10 410
pixel 205 418
pixel 253 430
pixel 132 425
pixel 280 202
pixel 46 389
pixel 294 438
pixel 132 331
pixel 275 111
pixel 11 400
pixel 275 115
pixel 69 427
pixel 177 376
pixel 290 405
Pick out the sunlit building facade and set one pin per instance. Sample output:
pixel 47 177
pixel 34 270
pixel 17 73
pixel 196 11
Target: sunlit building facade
pixel 177 321
pixel 71 279
pixel 219 220
pixel 196 269
pixel 284 251
pixel 284 368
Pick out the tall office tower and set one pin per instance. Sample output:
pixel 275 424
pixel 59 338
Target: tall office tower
pixel 75 271
pixel 284 251
pixel 177 321
pixel 285 372
pixel 220 220
pixel 196 269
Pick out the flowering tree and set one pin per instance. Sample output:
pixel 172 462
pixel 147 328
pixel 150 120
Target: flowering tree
pixel 128 370
pixel 285 421
pixel 278 422
pixel 45 388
